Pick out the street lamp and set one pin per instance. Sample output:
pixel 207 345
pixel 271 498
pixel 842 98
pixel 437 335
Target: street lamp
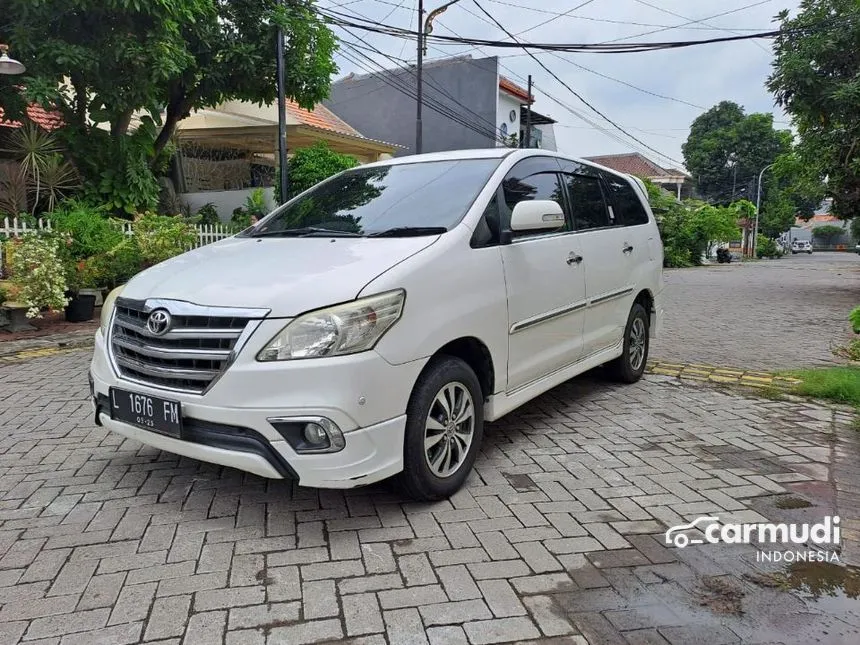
pixel 9 65
pixel 424 28
pixel 758 207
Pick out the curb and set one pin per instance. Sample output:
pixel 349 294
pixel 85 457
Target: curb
pixel 41 350
pixel 722 375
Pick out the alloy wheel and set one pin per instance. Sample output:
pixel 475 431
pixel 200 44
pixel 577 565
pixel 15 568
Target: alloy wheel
pixel 449 429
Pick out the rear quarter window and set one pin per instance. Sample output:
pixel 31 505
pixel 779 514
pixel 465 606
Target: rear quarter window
pixel 625 201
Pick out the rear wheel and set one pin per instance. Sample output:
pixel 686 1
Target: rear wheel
pixel 629 367
pixel 444 428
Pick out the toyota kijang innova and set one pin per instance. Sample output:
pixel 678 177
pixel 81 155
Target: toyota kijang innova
pixel 374 323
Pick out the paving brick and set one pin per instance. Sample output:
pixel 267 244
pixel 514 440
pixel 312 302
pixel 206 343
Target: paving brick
pixel 37 607
pixel 447 613
pixel 133 603
pixel 228 598
pixel 297 556
pixel 191 584
pixel 205 628
pixel 264 615
pixel 537 557
pixel 362 615
pixel 404 627
pixel 338 569
pixel 500 630
pixel 449 635
pixel 102 591
pixel 168 618
pixel 501 598
pixel 547 583
pixel 548 616
pixel 80 621
pixel 117 635
pixel 458 582
pixel 319 599
pixel 315 631
pixel 365 584
pixel 416 570
pixel 246 569
pixel 498 569
pixel 411 597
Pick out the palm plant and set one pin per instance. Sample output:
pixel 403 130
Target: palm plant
pixel 13 189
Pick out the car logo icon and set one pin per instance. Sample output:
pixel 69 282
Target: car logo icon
pixel 678 538
pixel 158 322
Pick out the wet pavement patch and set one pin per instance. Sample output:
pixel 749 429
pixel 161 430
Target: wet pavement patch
pixel 720 594
pixel 792 501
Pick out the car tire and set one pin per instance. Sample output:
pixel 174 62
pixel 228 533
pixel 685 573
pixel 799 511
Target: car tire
pixel 447 389
pixel 630 366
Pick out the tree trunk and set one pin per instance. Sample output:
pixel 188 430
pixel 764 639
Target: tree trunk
pixel 178 108
pixel 120 126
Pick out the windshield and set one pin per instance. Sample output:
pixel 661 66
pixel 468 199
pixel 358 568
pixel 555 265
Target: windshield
pixel 424 198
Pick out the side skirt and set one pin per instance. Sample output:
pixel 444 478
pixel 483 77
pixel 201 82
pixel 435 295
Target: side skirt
pixel 499 405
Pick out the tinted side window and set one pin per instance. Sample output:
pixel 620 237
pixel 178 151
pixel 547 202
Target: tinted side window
pixel 586 202
pixel 532 178
pixel 627 206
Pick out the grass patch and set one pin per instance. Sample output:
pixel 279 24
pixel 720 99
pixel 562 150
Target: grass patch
pixel 840 384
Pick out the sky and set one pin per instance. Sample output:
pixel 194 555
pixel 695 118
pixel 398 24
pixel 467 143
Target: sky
pixel 698 77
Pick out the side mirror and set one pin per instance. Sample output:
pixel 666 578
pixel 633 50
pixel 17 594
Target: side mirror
pixel 537 215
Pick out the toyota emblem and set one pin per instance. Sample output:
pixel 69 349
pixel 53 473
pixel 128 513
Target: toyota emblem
pixel 158 322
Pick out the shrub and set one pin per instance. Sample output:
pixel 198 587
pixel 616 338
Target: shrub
pixel 208 215
pixel 37 274
pixel 241 219
pixel 87 228
pixel 159 237
pixel 310 166
pixel 767 248
pixel 256 205
pixel 854 317
pixel 4 295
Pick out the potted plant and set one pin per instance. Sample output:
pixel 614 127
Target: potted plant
pixel 82 281
pixel 38 275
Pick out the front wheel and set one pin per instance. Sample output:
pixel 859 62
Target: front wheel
pixel 630 366
pixel 444 428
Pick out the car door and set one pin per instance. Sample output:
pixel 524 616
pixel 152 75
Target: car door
pixel 606 251
pixel 544 280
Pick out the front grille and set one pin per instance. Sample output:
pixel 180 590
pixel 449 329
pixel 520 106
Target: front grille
pixel 195 349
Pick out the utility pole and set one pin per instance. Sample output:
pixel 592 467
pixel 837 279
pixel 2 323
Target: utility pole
pixel 420 72
pixel 528 136
pixel 284 181
pixel 758 208
pixel 424 28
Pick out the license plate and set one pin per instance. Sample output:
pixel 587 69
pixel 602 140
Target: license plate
pixel 148 412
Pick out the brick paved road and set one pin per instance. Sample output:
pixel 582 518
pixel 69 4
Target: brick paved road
pixel 556 540
pixel 766 315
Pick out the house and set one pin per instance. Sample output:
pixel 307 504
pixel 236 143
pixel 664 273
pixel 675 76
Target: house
pixel 805 230
pixel 676 181
pixel 468 103
pixel 226 152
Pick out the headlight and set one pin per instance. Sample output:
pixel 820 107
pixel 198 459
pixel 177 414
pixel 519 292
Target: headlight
pixel 343 329
pixel 107 308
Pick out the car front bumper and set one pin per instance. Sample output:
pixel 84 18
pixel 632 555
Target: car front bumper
pixel 364 395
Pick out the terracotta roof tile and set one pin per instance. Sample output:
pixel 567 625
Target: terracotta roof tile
pixel 512 88
pixel 321 117
pixel 632 164
pixel 38 115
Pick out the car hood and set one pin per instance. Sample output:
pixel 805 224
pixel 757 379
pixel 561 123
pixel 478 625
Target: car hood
pixel 286 275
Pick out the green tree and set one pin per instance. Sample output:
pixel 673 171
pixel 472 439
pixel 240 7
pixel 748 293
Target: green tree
pixel 99 62
pixel 310 166
pixel 827 233
pixel 727 149
pixel 815 79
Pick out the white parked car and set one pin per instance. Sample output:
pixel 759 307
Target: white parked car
pixel 373 324
pixel 801 246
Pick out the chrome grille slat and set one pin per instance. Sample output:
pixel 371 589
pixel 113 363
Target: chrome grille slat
pixel 197 348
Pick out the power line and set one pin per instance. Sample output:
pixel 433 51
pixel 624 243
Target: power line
pixel 342 19
pixel 611 21
pixel 571 90
pixel 554 18
pixel 690 21
pixel 482 122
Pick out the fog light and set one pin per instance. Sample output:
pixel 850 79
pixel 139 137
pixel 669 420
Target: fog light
pixel 310 434
pixel 316 435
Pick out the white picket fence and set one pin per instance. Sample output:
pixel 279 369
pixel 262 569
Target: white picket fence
pixel 14 227
pixel 206 234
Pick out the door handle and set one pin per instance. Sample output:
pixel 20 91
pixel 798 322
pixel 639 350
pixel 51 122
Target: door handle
pixel 573 258
pixel 628 248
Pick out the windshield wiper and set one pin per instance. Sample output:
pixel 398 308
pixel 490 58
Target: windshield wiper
pixel 307 231
pixel 410 231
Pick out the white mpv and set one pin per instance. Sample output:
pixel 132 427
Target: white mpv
pixel 373 324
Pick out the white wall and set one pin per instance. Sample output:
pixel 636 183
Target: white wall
pixel 547 136
pixel 225 201
pixel 507 103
